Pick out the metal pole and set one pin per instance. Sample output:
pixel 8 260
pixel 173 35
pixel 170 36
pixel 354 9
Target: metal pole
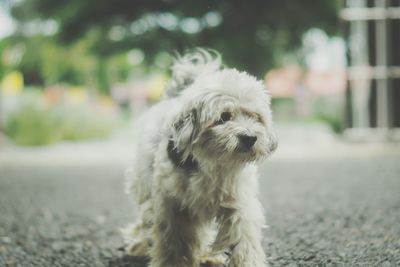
pixel 383 120
pixel 361 87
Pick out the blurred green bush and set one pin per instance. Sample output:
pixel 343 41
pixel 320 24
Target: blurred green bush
pixel 35 123
pixel 326 109
pixel 330 110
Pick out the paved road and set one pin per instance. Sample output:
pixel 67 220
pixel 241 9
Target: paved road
pixel 322 211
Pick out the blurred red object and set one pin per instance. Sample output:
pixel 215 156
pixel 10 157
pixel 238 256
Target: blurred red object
pixel 283 82
pixel 286 81
pixel 53 95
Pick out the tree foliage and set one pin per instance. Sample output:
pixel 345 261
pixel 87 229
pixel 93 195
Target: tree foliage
pixel 251 34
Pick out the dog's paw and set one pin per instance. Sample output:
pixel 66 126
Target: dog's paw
pixel 212 261
pixel 140 249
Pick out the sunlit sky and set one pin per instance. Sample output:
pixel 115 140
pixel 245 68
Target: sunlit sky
pixel 324 53
pixel 6 23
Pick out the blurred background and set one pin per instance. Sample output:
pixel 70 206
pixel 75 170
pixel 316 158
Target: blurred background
pixel 74 75
pixel 73 70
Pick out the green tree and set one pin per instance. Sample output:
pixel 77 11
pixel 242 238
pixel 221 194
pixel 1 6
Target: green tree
pixel 44 61
pixel 251 34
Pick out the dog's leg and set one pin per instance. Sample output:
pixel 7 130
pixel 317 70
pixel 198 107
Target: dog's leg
pixel 137 238
pixel 175 236
pixel 207 256
pixel 240 230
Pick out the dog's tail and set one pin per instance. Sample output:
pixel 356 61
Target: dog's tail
pixel 188 67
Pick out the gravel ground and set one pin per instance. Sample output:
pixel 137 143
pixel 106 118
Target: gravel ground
pixel 321 212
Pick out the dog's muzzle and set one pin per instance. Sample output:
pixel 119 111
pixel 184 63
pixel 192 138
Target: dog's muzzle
pixel 246 142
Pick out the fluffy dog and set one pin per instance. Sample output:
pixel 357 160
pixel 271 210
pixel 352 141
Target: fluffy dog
pixel 194 175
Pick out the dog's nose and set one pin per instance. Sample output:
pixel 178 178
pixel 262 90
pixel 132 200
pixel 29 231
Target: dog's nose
pixel 247 140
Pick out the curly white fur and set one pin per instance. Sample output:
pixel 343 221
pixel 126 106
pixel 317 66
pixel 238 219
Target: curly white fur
pixel 194 175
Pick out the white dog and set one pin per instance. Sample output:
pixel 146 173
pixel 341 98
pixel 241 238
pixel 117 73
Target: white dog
pixel 194 175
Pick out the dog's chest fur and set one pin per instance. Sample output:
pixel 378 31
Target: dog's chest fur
pixel 206 195
pixel 202 189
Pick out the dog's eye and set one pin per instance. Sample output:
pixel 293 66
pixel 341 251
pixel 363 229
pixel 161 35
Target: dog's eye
pixel 225 116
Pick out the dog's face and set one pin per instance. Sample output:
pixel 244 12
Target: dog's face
pixel 236 133
pixel 226 119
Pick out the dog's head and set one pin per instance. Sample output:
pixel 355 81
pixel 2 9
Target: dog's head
pixel 225 118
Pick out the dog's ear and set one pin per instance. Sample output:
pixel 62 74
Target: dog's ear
pixel 186 128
